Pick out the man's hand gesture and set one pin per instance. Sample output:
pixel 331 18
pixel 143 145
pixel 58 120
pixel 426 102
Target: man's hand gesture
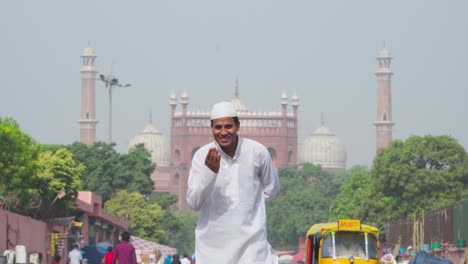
pixel 213 159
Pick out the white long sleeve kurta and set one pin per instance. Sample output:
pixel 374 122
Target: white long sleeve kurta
pixel 232 224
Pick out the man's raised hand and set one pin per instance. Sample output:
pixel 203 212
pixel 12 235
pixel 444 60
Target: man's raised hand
pixel 212 160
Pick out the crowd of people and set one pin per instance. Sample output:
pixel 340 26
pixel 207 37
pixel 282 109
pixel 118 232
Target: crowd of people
pixel 123 253
pixel 177 259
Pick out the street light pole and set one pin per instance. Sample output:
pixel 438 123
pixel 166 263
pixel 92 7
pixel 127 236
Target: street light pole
pixel 180 170
pixel 111 82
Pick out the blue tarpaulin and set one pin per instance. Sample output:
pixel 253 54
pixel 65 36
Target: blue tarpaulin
pixel 426 258
pixel 92 254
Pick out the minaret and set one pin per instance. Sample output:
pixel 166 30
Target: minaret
pixel 384 122
pixel 295 105
pixel 184 103
pixel 173 104
pixel 284 110
pixel 236 91
pixel 88 97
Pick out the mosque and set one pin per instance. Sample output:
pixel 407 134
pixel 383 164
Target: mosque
pixel 277 130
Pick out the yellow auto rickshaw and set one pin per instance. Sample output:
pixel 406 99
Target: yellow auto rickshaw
pixel 345 241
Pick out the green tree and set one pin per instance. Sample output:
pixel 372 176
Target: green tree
pixel 183 238
pixel 171 221
pixel 305 198
pixel 350 201
pixel 108 171
pixel 133 171
pixel 18 168
pixel 99 159
pixel 421 173
pixel 165 200
pixel 58 173
pixel 179 224
pixel 145 218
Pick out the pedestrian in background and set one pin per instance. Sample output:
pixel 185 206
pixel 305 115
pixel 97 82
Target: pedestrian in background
pixel 75 257
pixel 185 259
pixel 168 259
pixel 124 251
pixel 176 259
pixel 57 259
pixel 108 257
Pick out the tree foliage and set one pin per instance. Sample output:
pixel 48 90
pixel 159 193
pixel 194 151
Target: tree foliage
pixel 179 224
pixel 58 172
pixel 183 235
pixel 305 198
pixel 350 201
pixel 421 173
pixel 108 171
pixel 18 167
pixel 145 218
pixel 32 175
pixel 165 200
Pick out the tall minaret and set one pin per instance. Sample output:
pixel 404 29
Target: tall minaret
pixel 88 97
pixel 384 122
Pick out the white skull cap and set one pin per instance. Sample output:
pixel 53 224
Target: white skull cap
pixel 223 109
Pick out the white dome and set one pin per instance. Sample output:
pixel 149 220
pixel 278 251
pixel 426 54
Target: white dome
pixel 325 149
pixel 155 142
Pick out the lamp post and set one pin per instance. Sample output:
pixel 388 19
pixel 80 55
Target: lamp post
pixel 182 167
pixel 111 82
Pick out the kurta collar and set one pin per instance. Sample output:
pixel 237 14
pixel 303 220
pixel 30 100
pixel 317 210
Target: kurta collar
pixel 238 148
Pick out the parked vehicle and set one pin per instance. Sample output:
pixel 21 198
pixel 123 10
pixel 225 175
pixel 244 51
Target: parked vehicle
pixel 345 241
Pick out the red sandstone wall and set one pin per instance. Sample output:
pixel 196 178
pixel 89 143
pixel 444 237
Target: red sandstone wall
pixel 21 230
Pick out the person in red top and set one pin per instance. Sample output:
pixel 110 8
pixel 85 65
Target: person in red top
pixel 124 252
pixel 57 259
pixel 108 257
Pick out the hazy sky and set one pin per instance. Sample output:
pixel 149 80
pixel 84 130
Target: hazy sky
pixel 322 50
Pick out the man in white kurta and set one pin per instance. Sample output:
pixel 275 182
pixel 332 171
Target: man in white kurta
pixel 229 182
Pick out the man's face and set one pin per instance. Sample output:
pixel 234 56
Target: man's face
pixel 225 132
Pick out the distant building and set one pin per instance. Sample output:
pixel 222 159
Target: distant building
pixel 325 149
pixel 384 123
pixel 89 225
pixel 88 97
pixel 155 142
pixel 95 224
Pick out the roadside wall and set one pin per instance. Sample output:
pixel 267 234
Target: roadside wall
pixel 21 230
pixel 446 225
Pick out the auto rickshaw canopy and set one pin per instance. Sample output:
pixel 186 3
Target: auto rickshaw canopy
pixel 342 224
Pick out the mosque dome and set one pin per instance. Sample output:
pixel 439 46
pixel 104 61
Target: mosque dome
pixel 325 149
pixel 155 142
